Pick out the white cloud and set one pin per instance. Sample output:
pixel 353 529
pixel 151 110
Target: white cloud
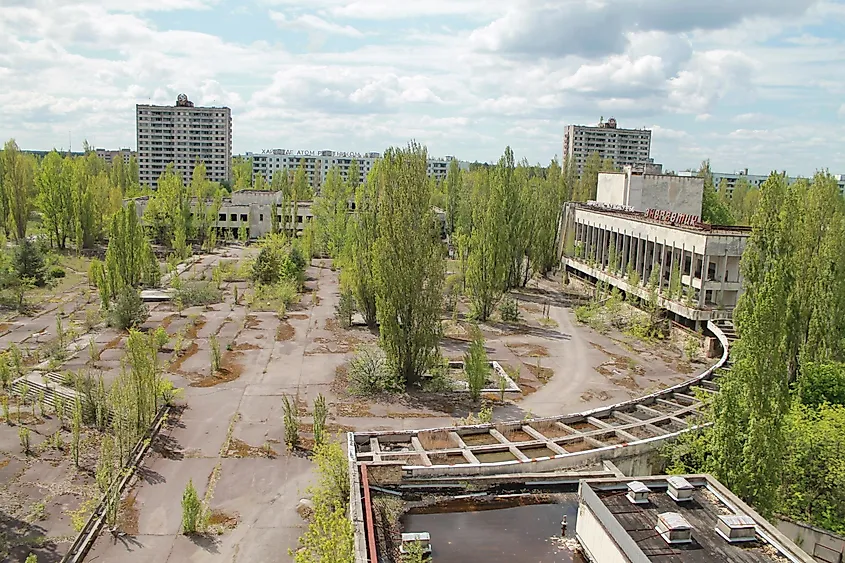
pixel 310 22
pixel 841 112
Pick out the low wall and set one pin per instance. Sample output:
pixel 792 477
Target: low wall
pixel 822 545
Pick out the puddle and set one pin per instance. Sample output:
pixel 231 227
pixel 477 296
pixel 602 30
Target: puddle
pixel 497 535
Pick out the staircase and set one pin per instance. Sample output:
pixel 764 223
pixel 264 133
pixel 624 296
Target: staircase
pixel 729 330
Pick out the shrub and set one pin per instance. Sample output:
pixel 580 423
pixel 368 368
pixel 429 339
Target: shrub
pixel 56 272
pixel 191 509
pixel 23 436
pixel 345 308
pixel 476 366
pixel 278 260
pixel 215 354
pixel 291 423
pixel 509 310
pixel 321 412
pixel 369 373
pixel 271 297
pixel 128 310
pixel 198 293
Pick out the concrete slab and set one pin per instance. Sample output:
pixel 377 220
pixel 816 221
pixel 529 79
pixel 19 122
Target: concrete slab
pixel 159 506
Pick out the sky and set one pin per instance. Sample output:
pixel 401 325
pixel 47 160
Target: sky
pixel 754 84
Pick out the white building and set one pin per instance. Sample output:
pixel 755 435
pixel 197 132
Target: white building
pixel 755 180
pixel 184 135
pixel 318 163
pixel 623 146
pixel 643 191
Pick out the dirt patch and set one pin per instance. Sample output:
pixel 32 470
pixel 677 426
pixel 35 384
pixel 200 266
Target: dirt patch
pixel 195 327
pixel 436 440
pixel 285 332
pixel 192 349
pixel 251 321
pixel 590 395
pixel 542 374
pixel 524 350
pixel 355 409
pixel 230 370
pixel 300 317
pixel 4 327
pixel 111 344
pixel 128 520
pixel 220 521
pixel 246 346
pixel 240 449
pixel 166 321
pixel 332 325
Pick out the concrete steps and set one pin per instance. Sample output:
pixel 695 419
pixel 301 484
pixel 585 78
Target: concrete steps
pixel 47 383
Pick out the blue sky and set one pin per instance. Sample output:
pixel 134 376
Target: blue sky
pixel 748 84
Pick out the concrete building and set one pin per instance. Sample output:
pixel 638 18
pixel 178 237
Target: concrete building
pixel 678 519
pixel 623 146
pixel 644 191
pixel 254 210
pixel 755 180
pixel 183 135
pixel 110 155
pixel 318 163
pixel 608 243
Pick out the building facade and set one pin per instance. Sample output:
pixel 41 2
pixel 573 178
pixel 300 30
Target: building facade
pixel 644 191
pixel 729 180
pixel 318 163
pixel 185 136
pixel 623 247
pixel 111 155
pixel 623 146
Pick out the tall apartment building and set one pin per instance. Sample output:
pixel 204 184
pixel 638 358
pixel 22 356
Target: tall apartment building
pixel 626 147
pixel 184 135
pixel 318 163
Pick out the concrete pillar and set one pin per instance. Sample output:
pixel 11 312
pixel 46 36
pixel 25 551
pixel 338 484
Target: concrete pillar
pixel 662 266
pixel 723 277
pixel 705 265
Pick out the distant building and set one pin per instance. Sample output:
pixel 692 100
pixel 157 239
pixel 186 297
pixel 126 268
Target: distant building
pixel 318 163
pixel 678 519
pixel 644 191
pixel 623 146
pixel 755 180
pixel 110 155
pixel 185 136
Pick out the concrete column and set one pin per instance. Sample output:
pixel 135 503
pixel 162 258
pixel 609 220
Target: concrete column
pixel 705 265
pixel 723 277
pixel 662 266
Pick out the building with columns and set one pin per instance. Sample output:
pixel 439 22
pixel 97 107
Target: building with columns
pixel 624 247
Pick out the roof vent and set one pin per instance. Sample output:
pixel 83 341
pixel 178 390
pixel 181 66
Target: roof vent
pixel 638 492
pixel 680 489
pixel 736 528
pixel 674 528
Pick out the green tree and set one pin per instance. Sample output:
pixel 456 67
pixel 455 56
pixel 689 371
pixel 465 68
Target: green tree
pixel 191 509
pixel 407 263
pixel 331 214
pixel 476 366
pixel 18 189
pixel 713 208
pixel 486 260
pixel 587 186
pixel 454 191
pixel 363 229
pixel 55 197
pixel 241 173
pixel 129 257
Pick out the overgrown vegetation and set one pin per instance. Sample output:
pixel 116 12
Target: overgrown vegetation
pixel 369 373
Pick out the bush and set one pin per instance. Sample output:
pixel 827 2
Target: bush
pixel 56 272
pixel 369 373
pixel 272 297
pixel 198 293
pixel 278 260
pixel 291 423
pixel 128 310
pixel 509 310
pixel 476 366
pixel 191 510
pixel 345 308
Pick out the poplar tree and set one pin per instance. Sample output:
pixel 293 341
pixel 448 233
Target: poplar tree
pixel 358 263
pixel 454 189
pixel 331 213
pixel 408 263
pixel 18 189
pixel 55 197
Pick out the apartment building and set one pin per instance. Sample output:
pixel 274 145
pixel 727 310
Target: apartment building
pixel 729 180
pixel 111 155
pixel 317 164
pixel 183 135
pixel 623 146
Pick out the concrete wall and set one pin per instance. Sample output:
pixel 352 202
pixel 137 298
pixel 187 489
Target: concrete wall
pixel 673 193
pixel 822 545
pixel 611 188
pixel 594 540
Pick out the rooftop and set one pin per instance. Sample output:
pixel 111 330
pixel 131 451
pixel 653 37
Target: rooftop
pixel 633 526
pixel 643 217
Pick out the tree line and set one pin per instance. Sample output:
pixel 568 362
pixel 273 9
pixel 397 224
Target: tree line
pixel 780 415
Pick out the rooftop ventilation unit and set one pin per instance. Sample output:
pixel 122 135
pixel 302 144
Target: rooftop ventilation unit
pixel 638 492
pixel 674 528
pixel 736 528
pixel 680 489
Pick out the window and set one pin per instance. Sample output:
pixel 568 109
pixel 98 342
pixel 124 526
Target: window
pixel 260 217
pixel 233 217
pixel 243 218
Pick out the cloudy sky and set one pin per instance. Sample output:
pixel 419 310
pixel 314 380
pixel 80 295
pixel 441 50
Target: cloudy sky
pixel 746 83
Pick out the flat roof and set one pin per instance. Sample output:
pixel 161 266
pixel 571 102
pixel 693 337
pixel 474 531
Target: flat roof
pixel 702 228
pixel 710 501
